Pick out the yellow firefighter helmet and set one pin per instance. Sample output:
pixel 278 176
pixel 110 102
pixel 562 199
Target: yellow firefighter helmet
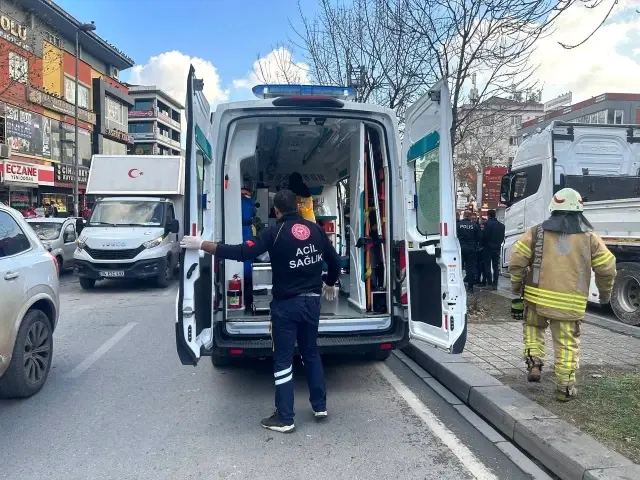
pixel 566 200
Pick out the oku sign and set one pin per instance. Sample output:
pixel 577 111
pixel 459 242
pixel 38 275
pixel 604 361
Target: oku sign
pixel 18 172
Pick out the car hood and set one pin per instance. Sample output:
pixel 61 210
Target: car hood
pixel 118 237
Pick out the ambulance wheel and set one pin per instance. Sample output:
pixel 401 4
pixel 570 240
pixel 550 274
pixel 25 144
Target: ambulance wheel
pixel 87 283
pixel 163 279
pixel 219 361
pixel 380 355
pixel 625 297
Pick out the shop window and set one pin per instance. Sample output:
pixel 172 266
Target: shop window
pixel 84 94
pixel 62 203
pixel 18 68
pixel 602 116
pixel 20 199
pixel 110 147
pixel 12 239
pixel 618 117
pixel 144 149
pixel 84 146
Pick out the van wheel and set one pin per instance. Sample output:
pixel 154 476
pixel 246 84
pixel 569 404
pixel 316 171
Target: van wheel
pixel 162 280
pixel 380 355
pixel 220 361
pixel 87 283
pixel 31 360
pixel 625 297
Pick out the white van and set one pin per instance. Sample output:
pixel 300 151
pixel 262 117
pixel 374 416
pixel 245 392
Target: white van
pixel 249 149
pixel 133 230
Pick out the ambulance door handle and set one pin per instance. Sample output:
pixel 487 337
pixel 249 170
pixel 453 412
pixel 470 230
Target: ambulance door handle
pixel 11 275
pixel 521 225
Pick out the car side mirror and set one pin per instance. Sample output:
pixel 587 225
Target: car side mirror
pixel 173 226
pixel 79 225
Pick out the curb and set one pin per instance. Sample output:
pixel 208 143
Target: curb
pixel 558 445
pixel 602 322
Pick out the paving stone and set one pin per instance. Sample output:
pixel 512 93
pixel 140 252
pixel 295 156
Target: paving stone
pixel 503 407
pixel 564 449
pixel 460 378
pixel 631 472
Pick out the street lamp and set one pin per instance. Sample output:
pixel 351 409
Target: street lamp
pixel 83 27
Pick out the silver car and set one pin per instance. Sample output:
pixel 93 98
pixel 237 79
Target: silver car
pixel 58 235
pixel 29 306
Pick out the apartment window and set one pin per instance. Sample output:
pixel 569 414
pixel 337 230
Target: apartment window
pixel 18 67
pixel 117 115
pixel 142 127
pixel 52 39
pixel 516 120
pixel 143 105
pixel 84 93
pixel 618 117
pixel 513 141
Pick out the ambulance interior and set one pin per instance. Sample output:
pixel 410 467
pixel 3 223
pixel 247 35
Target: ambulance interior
pixel 334 157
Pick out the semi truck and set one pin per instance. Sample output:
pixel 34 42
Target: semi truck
pixel 134 229
pixel 601 162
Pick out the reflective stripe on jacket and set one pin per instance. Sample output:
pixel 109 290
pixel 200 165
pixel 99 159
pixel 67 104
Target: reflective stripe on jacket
pixel 565 272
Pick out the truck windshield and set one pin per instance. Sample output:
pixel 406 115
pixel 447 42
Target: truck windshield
pixel 127 213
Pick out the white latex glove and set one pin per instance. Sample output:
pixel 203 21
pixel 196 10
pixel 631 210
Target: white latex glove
pixel 191 243
pixel 330 293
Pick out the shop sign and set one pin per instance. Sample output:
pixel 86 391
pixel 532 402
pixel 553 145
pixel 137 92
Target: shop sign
pixel 141 114
pixel 59 105
pixel 13 31
pixel 118 135
pixel 65 173
pixel 24 131
pixel 20 172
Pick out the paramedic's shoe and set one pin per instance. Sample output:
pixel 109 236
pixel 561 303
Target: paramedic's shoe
pixel 277 425
pixel 319 416
pixel 566 394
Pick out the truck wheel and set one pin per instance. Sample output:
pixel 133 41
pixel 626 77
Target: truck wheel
pixel 219 361
pixel 380 355
pixel 625 297
pixel 87 283
pixel 162 280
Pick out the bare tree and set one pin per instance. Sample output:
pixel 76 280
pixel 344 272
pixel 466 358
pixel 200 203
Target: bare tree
pixel 278 66
pixel 354 43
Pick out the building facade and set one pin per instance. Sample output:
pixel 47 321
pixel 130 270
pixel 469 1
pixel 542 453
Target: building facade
pixel 154 122
pixel 37 100
pixel 607 108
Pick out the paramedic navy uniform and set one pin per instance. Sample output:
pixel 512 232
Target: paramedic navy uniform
pixel 298 249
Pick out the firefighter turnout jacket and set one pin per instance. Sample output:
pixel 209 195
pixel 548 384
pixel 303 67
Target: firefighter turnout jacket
pixel 298 249
pixel 556 271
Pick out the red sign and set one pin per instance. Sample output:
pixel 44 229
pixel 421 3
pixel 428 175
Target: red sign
pixel 26 173
pixel 491 180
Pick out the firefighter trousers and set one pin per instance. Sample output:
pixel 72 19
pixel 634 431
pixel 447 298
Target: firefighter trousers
pixel 566 344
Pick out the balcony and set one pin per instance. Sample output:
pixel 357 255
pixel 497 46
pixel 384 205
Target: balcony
pixel 154 114
pixel 154 137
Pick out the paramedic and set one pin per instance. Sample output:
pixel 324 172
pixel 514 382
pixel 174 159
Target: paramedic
pixel 553 261
pixel 303 196
pixel 297 249
pixel 469 238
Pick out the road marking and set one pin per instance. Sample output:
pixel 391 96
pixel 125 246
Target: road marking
pixel 104 348
pixel 433 423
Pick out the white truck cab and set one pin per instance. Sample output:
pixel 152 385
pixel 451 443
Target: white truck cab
pixel 388 208
pixel 602 162
pixel 133 230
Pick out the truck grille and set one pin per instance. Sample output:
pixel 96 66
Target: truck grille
pixel 124 254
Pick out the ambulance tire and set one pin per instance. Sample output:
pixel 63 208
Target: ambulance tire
pixel 625 297
pixel 379 356
pixel 220 361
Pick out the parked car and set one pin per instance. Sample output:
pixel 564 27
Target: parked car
pixel 29 306
pixel 58 235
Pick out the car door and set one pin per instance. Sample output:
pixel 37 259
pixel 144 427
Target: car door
pixel 69 237
pixel 195 305
pixel 436 295
pixel 13 244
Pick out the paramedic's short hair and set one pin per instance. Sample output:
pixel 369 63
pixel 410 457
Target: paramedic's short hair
pixel 285 201
pixel 491 214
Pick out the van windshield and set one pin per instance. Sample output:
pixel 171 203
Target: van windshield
pixel 127 213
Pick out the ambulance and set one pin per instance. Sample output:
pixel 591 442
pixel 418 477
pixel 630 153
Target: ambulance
pixel 388 207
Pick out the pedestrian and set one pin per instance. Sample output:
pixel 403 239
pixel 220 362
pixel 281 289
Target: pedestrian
pixel 492 240
pixel 303 196
pixel 551 266
pixel 297 249
pixel 482 281
pixel 469 238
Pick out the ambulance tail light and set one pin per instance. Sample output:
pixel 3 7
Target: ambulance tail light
pixel 236 351
pixel 403 298
pixel 386 346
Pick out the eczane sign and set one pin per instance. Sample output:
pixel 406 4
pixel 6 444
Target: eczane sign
pixel 19 172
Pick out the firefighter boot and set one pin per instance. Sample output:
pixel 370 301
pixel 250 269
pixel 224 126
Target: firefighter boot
pixel 566 393
pixel 534 370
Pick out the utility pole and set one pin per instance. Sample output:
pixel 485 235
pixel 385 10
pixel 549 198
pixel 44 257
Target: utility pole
pixel 83 27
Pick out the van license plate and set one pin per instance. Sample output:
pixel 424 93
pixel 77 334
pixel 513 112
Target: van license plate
pixel 112 273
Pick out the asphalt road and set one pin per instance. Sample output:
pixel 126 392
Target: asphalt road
pixel 119 405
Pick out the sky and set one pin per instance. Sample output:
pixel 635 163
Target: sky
pixel 223 39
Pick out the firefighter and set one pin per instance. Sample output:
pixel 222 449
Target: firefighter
pixel 553 262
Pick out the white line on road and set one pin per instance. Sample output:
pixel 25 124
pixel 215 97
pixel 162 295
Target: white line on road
pixel 466 456
pixel 104 348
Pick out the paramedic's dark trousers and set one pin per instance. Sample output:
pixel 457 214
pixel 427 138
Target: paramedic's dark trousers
pixel 470 260
pixel 294 319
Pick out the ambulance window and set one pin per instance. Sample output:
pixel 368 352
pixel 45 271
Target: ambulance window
pixel 200 184
pixel 427 178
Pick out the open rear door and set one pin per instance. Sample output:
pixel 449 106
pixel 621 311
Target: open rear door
pixel 436 295
pixel 194 304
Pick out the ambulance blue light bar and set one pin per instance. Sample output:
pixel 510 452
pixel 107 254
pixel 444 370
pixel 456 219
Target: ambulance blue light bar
pixel 275 91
